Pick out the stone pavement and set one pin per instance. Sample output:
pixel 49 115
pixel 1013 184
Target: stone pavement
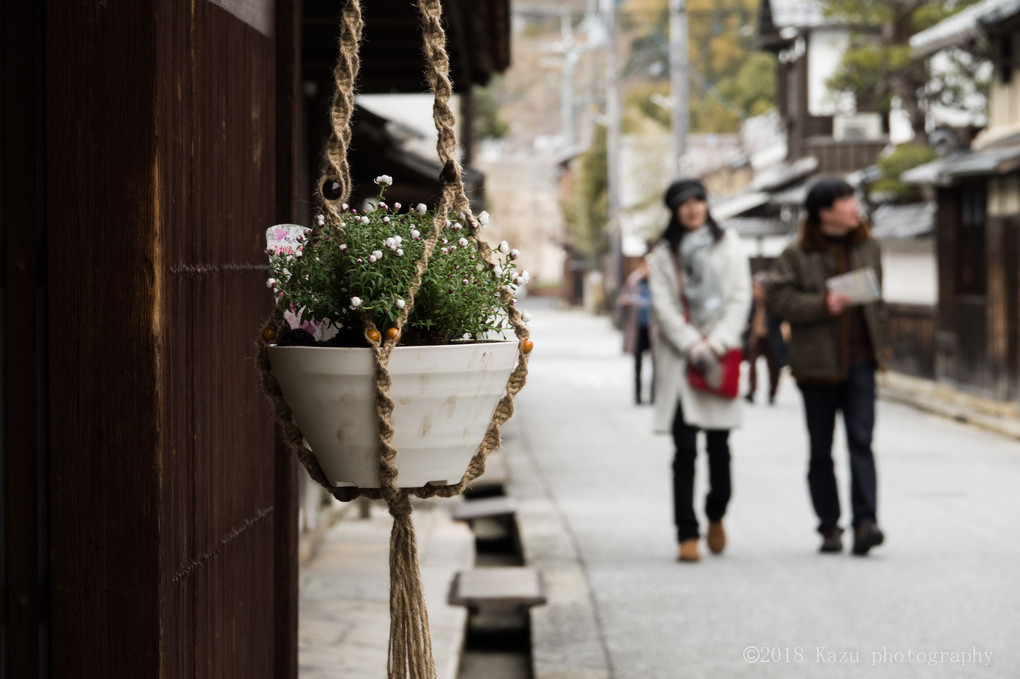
pixel 343 622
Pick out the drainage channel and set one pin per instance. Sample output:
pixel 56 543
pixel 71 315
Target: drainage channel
pixel 497 641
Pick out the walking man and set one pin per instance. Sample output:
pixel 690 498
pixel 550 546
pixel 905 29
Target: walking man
pixel 837 338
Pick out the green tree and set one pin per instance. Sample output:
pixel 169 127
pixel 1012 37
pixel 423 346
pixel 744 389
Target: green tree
pixel 878 65
pixel 729 81
pixel 586 209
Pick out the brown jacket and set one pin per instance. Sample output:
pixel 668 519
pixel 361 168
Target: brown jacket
pixel 819 344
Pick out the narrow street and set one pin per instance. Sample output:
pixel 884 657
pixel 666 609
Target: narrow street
pixel 938 599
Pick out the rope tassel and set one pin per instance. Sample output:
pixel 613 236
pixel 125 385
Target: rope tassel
pixel 410 648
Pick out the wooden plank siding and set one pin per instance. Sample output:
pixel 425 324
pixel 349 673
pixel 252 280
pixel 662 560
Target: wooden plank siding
pixel 911 329
pixel 842 156
pixel 173 518
pixel 23 610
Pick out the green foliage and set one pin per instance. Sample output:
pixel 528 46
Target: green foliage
pixel 587 207
pixel 896 163
pixel 359 266
pixel 749 92
pixel 640 106
pixel 878 66
pixel 488 124
pixel 729 81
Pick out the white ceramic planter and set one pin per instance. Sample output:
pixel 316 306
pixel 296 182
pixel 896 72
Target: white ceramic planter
pixel 444 399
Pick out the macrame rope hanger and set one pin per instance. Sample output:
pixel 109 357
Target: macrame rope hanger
pixel 410 645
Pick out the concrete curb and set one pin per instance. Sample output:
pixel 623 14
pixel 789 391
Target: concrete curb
pixel 566 638
pixel 947 401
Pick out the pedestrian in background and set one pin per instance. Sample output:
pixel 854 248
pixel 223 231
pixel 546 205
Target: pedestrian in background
pixel 835 346
pixel 635 302
pixel 763 337
pixel 700 284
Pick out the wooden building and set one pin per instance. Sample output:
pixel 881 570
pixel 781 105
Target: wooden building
pixel 808 46
pixel 148 511
pixel 978 218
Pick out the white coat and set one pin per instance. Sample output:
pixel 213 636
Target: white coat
pixel 676 336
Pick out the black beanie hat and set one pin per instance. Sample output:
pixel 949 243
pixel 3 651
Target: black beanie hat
pixel 682 189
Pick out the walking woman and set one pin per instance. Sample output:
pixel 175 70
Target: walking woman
pixel 701 290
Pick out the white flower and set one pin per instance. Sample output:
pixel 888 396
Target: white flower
pixel 457 226
pixel 320 220
pixel 371 259
pixel 271 282
pixel 355 302
pixel 498 270
pixel 377 253
pixel 401 303
pixel 463 242
pixel 399 239
pixel 514 254
pixel 525 276
pixel 396 206
pixel 504 247
pixel 386 220
pixel 478 267
pixel 343 246
pixel 365 220
pixel 384 180
pixel 400 252
pixel 344 206
pixel 421 208
pixel 415 234
pixel 483 218
pixel 465 282
pixel 525 316
pixel 391 243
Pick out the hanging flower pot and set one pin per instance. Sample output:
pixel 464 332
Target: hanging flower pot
pixel 444 398
pixel 378 356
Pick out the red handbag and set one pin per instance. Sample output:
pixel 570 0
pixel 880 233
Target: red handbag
pixel 729 363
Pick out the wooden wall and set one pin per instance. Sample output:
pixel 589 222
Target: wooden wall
pixel 169 151
pixel 911 329
pixel 24 615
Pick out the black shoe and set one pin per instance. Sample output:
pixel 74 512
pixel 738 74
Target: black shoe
pixel 866 536
pixel 832 540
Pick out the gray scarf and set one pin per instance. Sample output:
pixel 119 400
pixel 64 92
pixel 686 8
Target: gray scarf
pixel 701 285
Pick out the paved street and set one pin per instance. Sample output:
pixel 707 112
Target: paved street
pixel 940 598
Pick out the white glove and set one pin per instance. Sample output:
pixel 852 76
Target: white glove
pixel 706 362
pixel 717 348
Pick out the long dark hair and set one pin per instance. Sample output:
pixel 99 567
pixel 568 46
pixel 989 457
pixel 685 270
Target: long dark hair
pixel 676 231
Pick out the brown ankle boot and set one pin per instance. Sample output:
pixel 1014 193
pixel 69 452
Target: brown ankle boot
pixel 716 537
pixel 688 551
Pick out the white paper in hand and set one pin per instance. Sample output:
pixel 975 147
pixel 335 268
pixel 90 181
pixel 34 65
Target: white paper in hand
pixel 859 286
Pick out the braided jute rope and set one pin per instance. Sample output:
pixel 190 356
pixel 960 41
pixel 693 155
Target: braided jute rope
pixel 410 645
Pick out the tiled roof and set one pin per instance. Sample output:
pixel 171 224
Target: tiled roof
pixel 961 27
pixel 910 220
pixel 796 13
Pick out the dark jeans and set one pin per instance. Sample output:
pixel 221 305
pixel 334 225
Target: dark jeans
pixel 685 437
pixel 644 343
pixel 856 398
pixel 762 348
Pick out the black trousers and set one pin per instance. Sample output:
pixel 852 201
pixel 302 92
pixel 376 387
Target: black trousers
pixel 761 348
pixel 644 344
pixel 685 438
pixel 855 397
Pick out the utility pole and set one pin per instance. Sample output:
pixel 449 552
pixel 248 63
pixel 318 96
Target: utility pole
pixel 678 82
pixel 615 268
pixel 571 52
